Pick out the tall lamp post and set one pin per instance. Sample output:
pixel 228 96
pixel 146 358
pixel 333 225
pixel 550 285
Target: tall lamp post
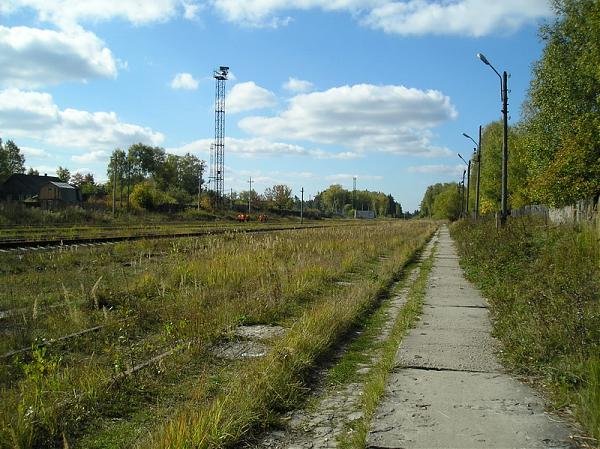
pixel 504 95
pixel 462 196
pixel 468 180
pixel 478 159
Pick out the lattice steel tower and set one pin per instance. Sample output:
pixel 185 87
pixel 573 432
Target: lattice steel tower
pixel 218 147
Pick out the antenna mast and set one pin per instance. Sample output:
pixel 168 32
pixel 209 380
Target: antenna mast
pixel 218 147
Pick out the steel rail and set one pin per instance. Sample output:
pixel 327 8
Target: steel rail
pixel 30 245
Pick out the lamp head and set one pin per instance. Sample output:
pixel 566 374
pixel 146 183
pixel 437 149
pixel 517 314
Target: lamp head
pixel 483 58
pixel 466 135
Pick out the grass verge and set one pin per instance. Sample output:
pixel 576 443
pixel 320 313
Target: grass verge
pixel 161 294
pixel 543 285
pixel 374 386
pixel 275 383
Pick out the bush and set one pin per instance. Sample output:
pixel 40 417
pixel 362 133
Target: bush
pixel 146 195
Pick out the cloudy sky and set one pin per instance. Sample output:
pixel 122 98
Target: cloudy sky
pixel 320 91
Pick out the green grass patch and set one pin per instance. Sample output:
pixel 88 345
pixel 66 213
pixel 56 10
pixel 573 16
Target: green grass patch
pixel 276 383
pixel 543 285
pixel 154 295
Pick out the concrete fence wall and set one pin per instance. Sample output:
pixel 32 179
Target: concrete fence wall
pixel 584 211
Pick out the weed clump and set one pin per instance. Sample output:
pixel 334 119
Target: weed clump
pixel 543 284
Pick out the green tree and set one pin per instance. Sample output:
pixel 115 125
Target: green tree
pixel 334 198
pixel 146 195
pixel 252 195
pixel 11 159
pixel 442 201
pixel 491 169
pixel 281 195
pixel 427 203
pixel 562 113
pixel 117 169
pixel 189 173
pixel 447 204
pixel 398 212
pixel 86 184
pixel 145 161
pixel 63 174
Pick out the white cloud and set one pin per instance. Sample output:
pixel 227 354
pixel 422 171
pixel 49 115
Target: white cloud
pixel 247 96
pixel 263 13
pixel 69 12
pixel 343 155
pixel 184 81
pixel 259 147
pixel 190 10
pixel 439 169
pixel 91 156
pixel 31 57
pixel 463 17
pixel 298 86
pixel 364 117
pixel 34 152
pixel 35 115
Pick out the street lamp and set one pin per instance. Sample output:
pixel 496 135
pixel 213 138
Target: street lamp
pixel 504 96
pixel 468 179
pixel 462 196
pixel 478 146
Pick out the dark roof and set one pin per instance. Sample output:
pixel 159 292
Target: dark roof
pixel 62 185
pixel 27 184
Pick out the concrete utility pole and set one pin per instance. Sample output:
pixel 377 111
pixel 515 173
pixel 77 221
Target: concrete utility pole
pixel 478 175
pixel 114 197
pixel 468 179
pixel 354 194
pixel 504 95
pixel 462 199
pixel 128 182
pixel 199 190
pixel 478 160
pixel 468 185
pixel 250 195
pixel 504 149
pixel 302 206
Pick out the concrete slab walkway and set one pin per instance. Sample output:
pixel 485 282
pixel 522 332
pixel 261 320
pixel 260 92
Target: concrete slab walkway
pixel 449 389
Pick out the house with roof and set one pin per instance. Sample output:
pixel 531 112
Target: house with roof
pixel 48 192
pixel 54 195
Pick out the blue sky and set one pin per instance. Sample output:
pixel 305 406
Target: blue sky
pixel 320 91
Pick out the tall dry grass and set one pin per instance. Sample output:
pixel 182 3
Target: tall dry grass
pixel 156 295
pixel 276 381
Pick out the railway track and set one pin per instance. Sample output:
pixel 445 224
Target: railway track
pixel 53 244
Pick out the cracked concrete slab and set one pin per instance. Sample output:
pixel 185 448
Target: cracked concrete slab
pixel 448 388
pixel 435 409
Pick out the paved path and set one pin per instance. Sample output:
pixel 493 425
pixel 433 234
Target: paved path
pixel 448 389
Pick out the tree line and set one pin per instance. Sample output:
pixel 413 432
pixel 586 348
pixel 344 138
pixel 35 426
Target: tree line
pixel 554 150
pixel 147 177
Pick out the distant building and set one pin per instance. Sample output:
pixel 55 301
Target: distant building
pixel 365 214
pixel 54 195
pixel 48 192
